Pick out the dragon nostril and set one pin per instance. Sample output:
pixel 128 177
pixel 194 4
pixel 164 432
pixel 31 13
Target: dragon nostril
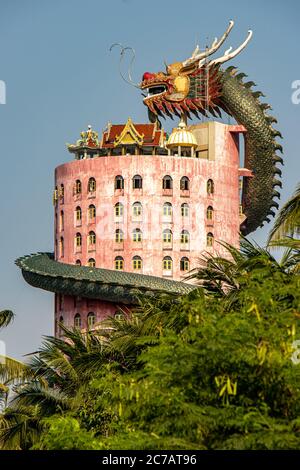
pixel 148 75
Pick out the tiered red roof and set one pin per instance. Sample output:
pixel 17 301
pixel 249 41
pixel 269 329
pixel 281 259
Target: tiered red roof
pixel 151 135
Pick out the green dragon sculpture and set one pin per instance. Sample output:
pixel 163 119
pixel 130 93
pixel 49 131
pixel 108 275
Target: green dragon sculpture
pixel 199 86
pixel 194 86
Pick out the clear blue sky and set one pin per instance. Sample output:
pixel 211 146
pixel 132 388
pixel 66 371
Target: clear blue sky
pixel 60 77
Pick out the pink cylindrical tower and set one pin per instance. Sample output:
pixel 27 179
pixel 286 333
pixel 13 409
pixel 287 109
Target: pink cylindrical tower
pixel 136 205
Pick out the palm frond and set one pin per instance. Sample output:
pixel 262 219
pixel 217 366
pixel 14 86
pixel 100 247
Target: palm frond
pixel 6 317
pixel 19 428
pixel 287 222
pixel 13 371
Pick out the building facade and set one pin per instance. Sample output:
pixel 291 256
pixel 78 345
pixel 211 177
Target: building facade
pixel 141 202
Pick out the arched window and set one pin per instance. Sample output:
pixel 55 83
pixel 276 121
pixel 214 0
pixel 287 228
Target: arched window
pixel 78 214
pixel 78 187
pixel 137 263
pixel 184 264
pixel 119 315
pixel 184 237
pixel 167 182
pixel 137 235
pixel 167 236
pixel 210 187
pixel 62 191
pixel 61 246
pixel 137 182
pixel 91 320
pixel 119 209
pixel 167 209
pixel 78 240
pixel 119 263
pixel 61 220
pixel 167 263
pixel 119 236
pixel 185 210
pixel 119 182
pixel 78 262
pixel 184 183
pixel 92 212
pixel 209 239
pixel 92 185
pixel 137 209
pixel 60 324
pixel 77 321
pixel 209 213
pixel 91 263
pixel 91 238
pixel 55 195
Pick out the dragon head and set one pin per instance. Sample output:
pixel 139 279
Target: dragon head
pixel 189 86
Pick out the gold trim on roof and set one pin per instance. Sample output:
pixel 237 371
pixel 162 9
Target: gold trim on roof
pixel 129 135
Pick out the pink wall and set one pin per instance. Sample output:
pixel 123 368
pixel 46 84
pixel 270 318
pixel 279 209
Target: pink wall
pixel 67 306
pixel 225 202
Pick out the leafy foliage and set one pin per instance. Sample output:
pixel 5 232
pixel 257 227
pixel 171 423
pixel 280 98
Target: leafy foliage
pixel 201 372
pixel 211 370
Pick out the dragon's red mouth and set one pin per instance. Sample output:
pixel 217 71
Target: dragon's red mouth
pixel 154 84
pixel 154 90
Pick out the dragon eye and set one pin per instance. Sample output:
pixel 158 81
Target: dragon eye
pixel 148 75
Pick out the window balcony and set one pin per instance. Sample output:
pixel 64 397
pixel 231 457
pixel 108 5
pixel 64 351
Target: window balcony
pixel 209 222
pixel 119 192
pixel 167 246
pixel 77 197
pixel 167 273
pixel 167 218
pixel 167 192
pixel 137 191
pixel 137 218
pixel 184 193
pixel 184 247
pixel 119 246
pixel 91 194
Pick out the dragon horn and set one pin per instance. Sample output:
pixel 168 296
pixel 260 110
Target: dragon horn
pixel 210 50
pixel 229 55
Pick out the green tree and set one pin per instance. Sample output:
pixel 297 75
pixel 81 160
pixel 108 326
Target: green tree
pixel 198 373
pixel 211 370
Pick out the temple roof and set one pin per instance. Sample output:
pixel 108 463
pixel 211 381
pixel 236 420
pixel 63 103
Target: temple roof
pixel 115 135
pixel 133 134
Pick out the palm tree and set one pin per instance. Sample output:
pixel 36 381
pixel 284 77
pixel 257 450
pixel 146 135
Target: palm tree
pixel 223 276
pixel 61 370
pixel 59 374
pixel 11 370
pixel 287 223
